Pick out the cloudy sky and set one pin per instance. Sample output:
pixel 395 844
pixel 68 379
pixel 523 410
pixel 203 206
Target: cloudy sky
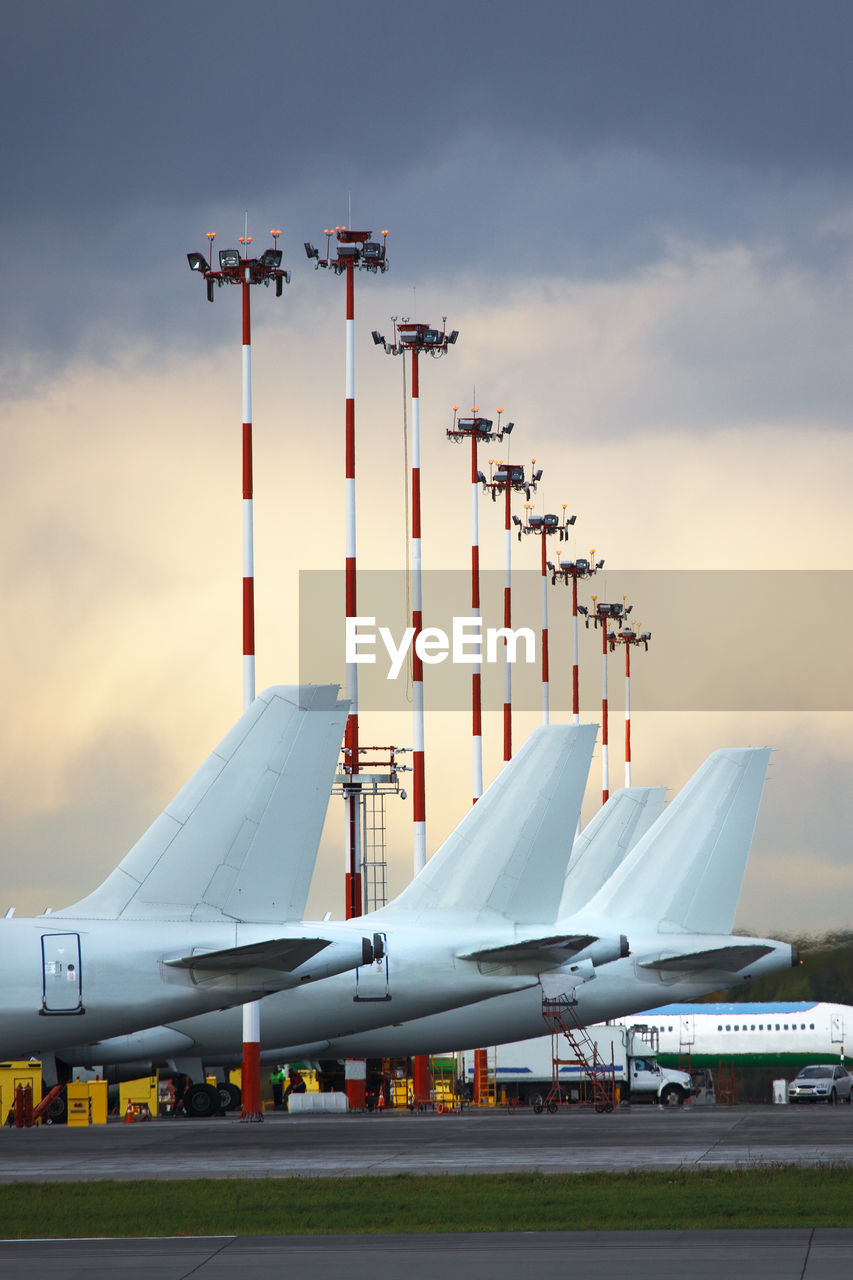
pixel 638 215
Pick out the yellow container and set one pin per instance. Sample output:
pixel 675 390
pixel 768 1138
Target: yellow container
pixel 87 1102
pixel 139 1093
pixel 11 1075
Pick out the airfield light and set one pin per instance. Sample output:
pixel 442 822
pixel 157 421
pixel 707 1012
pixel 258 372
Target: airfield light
pixel 245 271
pixel 411 336
pixel 545 525
pixel 346 252
pixel 630 637
pixel 478 430
pixel 602 616
pixel 573 571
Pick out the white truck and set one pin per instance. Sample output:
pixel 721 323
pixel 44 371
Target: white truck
pixel 524 1069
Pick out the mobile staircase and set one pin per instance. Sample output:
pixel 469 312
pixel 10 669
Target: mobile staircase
pixel 562 1020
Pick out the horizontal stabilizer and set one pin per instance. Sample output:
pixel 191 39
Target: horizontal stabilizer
pixel 606 841
pixel 686 872
pixel 240 840
pixel 507 857
pixel 285 954
pixel 729 959
pixel 554 950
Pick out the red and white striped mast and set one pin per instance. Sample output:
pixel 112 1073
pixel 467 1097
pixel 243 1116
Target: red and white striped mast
pixel 629 637
pixel 477 429
pixel 508 477
pixel 603 614
pixel 545 526
pixel 353 250
pixel 238 268
pixel 416 337
pixel 572 571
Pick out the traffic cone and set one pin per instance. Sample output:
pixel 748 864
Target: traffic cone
pixel 129 1117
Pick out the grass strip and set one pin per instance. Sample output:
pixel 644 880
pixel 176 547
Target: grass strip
pixel 774 1196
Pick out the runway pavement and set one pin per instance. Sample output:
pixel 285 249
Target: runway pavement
pixel 612 1255
pixel 573 1140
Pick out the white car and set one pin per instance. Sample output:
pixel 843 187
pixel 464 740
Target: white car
pixel 822 1083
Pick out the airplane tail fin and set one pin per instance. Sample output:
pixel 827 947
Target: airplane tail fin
pixel 688 869
pixel 507 857
pixel 239 840
pixel 606 841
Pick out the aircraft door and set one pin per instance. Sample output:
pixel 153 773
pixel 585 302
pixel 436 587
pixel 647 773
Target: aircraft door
pixel 837 1024
pixel 373 981
pixel 687 1030
pixel 62 977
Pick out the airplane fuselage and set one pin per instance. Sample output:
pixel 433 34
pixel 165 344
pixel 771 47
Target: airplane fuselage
pixel 66 980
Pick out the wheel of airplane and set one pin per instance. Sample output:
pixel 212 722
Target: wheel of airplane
pixel 230 1096
pixel 201 1101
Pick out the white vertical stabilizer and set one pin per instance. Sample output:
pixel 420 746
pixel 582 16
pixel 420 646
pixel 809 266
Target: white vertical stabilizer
pixel 606 841
pixel 507 857
pixel 687 871
pixel 240 840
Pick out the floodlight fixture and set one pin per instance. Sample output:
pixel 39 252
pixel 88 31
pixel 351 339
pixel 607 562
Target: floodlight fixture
pixel 310 251
pixel 351 249
pixel 228 258
pixel 270 259
pixel 198 262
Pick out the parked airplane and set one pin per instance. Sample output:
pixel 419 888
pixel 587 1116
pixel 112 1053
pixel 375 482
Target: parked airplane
pixel 191 919
pixel 479 918
pixel 783 1033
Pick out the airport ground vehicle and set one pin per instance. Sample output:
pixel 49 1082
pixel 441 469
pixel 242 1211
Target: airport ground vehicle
pixel 826 1082
pixel 524 1070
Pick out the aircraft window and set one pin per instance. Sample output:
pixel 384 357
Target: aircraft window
pixel 785 1028
pixel 669 1028
pixel 802 1026
pixel 728 1028
pixel 752 1028
pixel 761 1026
pixel 737 1028
pixel 811 1026
pixel 719 1028
pixel 777 1026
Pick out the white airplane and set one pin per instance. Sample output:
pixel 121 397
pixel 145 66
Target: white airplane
pixel 191 919
pixel 474 934
pixel 674 896
pixel 786 1034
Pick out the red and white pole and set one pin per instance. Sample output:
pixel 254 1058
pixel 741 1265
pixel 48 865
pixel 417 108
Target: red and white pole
pixel 476 677
pixel 605 763
pixel 546 702
pixel 250 1078
pixel 507 619
pixel 354 899
pixel 627 714
pixel 418 777
pixel 576 702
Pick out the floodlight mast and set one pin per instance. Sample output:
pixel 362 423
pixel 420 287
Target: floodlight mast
pixel 476 429
pixel 572 571
pixel 237 267
pixel 416 337
pixel 352 250
pixel 507 478
pixel 629 637
pixel 545 526
pixel 602 615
